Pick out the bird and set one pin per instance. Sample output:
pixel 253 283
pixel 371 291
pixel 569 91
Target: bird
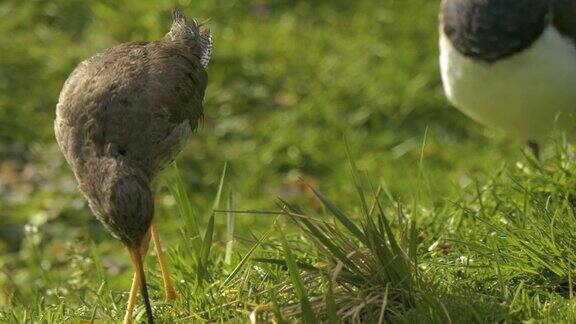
pixel 122 117
pixel 511 64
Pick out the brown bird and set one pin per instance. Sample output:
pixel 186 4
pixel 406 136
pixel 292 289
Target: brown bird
pixel 122 117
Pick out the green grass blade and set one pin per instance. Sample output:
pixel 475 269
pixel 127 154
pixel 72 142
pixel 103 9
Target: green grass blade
pixel 284 264
pixel 245 259
pixel 230 218
pixel 220 187
pixel 331 309
pixel 413 251
pixel 341 216
pixel 356 179
pixel 328 244
pixel 276 309
pixel 176 187
pixel 308 316
pixel 203 265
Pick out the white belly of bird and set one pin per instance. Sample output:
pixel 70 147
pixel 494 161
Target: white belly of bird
pixel 528 94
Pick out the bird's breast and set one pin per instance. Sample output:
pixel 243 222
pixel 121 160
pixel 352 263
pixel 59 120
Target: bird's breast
pixel 524 94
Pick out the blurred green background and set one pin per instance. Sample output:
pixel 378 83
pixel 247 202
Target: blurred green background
pixel 288 81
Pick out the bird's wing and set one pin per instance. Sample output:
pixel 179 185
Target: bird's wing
pixel 70 111
pixel 564 17
pixel 170 146
pixel 176 91
pixel 138 101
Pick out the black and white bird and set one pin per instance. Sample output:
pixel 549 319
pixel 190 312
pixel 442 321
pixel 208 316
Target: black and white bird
pixel 511 64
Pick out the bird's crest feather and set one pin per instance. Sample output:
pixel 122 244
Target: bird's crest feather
pixel 190 34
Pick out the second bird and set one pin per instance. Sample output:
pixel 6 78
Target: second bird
pixel 511 64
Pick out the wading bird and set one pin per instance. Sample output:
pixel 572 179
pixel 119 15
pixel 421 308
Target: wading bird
pixel 511 64
pixel 122 117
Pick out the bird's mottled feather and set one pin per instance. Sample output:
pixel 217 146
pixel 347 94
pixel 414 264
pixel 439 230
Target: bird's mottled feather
pixel 126 113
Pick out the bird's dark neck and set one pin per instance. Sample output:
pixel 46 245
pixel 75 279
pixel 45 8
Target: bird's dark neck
pixel 490 30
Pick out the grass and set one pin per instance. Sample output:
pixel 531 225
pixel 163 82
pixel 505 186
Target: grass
pixel 500 251
pixel 353 191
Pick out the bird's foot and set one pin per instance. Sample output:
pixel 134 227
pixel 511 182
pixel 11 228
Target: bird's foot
pixel 171 294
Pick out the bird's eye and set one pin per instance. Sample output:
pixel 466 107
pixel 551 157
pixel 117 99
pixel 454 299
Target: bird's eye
pixel 122 152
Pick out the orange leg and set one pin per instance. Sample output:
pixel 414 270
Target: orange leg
pixel 168 288
pixel 136 283
pixel 136 257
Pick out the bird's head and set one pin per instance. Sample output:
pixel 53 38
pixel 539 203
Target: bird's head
pixel 189 34
pixel 120 196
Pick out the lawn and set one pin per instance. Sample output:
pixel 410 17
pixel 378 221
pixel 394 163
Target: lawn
pixel 329 181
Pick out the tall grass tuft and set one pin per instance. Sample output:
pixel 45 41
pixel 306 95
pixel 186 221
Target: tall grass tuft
pixel 365 273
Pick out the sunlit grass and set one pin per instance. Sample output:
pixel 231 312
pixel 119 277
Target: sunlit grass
pixel 503 251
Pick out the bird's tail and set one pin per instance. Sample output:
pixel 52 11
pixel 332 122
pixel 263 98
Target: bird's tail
pixel 191 35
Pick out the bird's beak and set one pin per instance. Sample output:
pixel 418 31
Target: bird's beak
pixel 136 257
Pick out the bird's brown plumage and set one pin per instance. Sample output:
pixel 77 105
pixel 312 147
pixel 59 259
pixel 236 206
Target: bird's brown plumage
pixel 126 113
pixel 122 116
